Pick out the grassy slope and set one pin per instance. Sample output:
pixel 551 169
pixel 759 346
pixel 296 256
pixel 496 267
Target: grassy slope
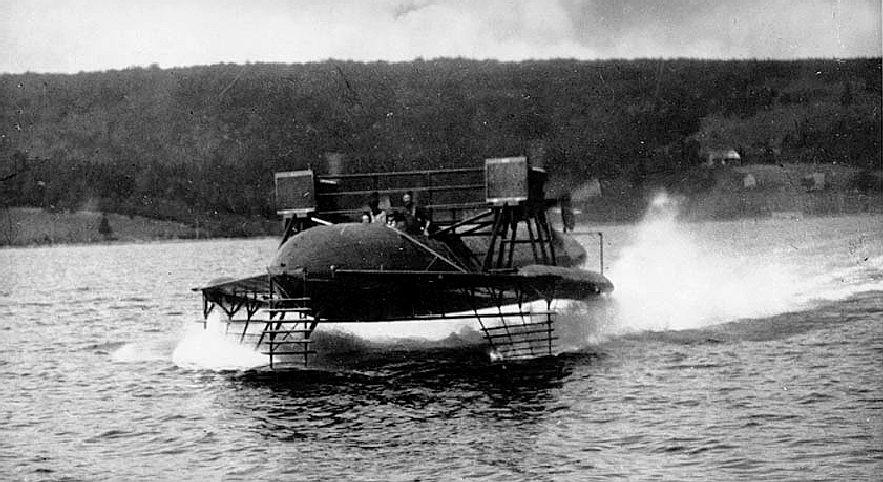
pixel 25 226
pixel 780 189
pixel 719 193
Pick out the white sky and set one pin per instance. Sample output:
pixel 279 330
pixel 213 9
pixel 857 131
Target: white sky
pixel 88 35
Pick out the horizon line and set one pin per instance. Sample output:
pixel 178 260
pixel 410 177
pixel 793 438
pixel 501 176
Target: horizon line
pixel 157 66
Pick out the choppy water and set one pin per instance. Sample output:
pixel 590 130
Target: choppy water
pixel 740 350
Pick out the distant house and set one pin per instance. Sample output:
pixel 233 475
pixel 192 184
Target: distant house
pixel 723 158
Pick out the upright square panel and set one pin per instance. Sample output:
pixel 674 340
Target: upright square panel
pixel 295 192
pixel 506 180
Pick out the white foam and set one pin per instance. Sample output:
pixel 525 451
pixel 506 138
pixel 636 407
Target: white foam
pixel 842 282
pixel 670 279
pixel 209 349
pixel 138 352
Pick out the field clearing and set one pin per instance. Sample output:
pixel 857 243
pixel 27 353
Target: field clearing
pixel 21 226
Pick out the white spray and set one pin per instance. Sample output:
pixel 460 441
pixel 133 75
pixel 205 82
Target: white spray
pixel 209 348
pixel 668 279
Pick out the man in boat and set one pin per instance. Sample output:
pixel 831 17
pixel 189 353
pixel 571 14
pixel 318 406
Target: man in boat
pixel 416 219
pixel 377 214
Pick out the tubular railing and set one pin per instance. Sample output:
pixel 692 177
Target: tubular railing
pixel 439 189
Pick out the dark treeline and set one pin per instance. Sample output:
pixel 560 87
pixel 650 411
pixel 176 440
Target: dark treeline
pixel 177 143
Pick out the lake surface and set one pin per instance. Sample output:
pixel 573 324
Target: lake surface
pixel 745 350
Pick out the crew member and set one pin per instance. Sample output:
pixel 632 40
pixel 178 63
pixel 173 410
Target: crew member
pixel 416 220
pixel 377 215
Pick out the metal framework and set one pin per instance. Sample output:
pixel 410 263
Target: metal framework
pixel 284 335
pixel 488 280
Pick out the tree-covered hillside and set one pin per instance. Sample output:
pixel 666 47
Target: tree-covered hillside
pixel 176 143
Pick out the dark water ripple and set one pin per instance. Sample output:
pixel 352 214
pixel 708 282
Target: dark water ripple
pixel 90 392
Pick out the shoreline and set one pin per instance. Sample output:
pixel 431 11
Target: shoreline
pixel 24 226
pixel 125 242
pixel 80 228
